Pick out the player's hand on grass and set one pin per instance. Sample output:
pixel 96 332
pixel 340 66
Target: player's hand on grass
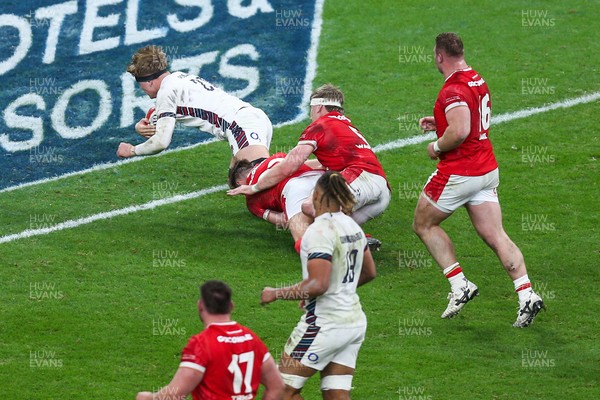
pixel 242 189
pixel 427 124
pixel 125 150
pixel 268 295
pixel 144 396
pixel 144 128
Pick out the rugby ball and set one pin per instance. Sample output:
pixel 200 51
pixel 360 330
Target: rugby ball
pixel 151 116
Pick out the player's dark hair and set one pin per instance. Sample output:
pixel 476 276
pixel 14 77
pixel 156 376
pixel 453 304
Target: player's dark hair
pixel 450 43
pixel 239 168
pixel 330 92
pixel 334 188
pixel 216 296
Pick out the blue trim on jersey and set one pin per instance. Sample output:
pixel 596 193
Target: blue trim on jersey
pixel 209 116
pixel 323 256
pixel 311 332
pixel 166 114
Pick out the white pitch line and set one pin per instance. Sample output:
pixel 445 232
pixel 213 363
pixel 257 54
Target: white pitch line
pixel 110 214
pixel 507 117
pixel 100 167
pixel 192 195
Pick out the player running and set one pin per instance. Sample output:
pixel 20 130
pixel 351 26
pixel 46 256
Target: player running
pixel 466 175
pixel 335 261
pixel 282 204
pixel 192 101
pixel 225 361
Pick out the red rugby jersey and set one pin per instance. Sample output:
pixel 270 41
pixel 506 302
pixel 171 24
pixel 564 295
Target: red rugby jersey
pixel 270 199
pixel 474 156
pixel 339 146
pixel 231 357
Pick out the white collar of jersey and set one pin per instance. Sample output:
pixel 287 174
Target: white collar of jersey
pixel 222 323
pixel 318 101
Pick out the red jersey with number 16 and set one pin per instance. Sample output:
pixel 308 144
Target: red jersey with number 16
pixel 339 146
pixel 231 357
pixel 474 156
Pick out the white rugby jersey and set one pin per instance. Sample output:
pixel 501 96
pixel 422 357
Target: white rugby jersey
pixel 338 238
pixel 194 102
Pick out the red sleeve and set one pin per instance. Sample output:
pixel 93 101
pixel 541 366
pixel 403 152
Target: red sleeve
pixel 196 352
pixel 255 205
pixel 312 134
pixel 452 94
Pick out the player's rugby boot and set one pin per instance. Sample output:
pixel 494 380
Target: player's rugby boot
pixel 528 309
pixel 459 299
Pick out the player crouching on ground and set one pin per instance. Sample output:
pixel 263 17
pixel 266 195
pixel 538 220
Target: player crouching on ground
pixel 280 205
pixel 338 146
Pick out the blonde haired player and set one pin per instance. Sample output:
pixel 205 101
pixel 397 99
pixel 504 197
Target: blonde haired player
pixel 335 261
pixel 194 102
pixel 339 146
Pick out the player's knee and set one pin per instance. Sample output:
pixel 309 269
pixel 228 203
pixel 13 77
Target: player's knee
pixel 336 382
pixel 308 209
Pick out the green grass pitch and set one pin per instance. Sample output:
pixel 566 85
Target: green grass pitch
pixel 102 311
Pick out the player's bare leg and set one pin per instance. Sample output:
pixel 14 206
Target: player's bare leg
pixel 291 366
pixel 308 208
pixel 426 225
pixel 336 369
pixel 487 220
pixel 298 225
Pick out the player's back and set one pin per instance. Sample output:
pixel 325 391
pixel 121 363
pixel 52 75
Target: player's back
pixel 196 102
pixel 339 236
pixel 231 356
pixel 475 155
pixel 339 146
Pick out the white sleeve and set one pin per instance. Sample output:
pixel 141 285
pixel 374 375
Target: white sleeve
pixel 160 140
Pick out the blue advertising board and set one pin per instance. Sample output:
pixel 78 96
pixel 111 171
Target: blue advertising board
pixel 67 101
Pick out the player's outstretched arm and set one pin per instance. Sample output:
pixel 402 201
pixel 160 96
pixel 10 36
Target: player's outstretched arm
pixel 271 380
pixel 316 284
pixel 159 141
pixel 182 384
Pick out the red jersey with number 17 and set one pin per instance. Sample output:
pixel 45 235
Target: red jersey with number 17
pixel 339 146
pixel 231 357
pixel 474 156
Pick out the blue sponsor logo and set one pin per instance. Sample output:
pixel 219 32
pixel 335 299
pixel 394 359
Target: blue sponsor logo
pixel 67 101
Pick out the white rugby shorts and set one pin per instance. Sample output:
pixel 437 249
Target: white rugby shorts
pixel 297 191
pixel 449 192
pixel 256 129
pixel 372 196
pixel 316 347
